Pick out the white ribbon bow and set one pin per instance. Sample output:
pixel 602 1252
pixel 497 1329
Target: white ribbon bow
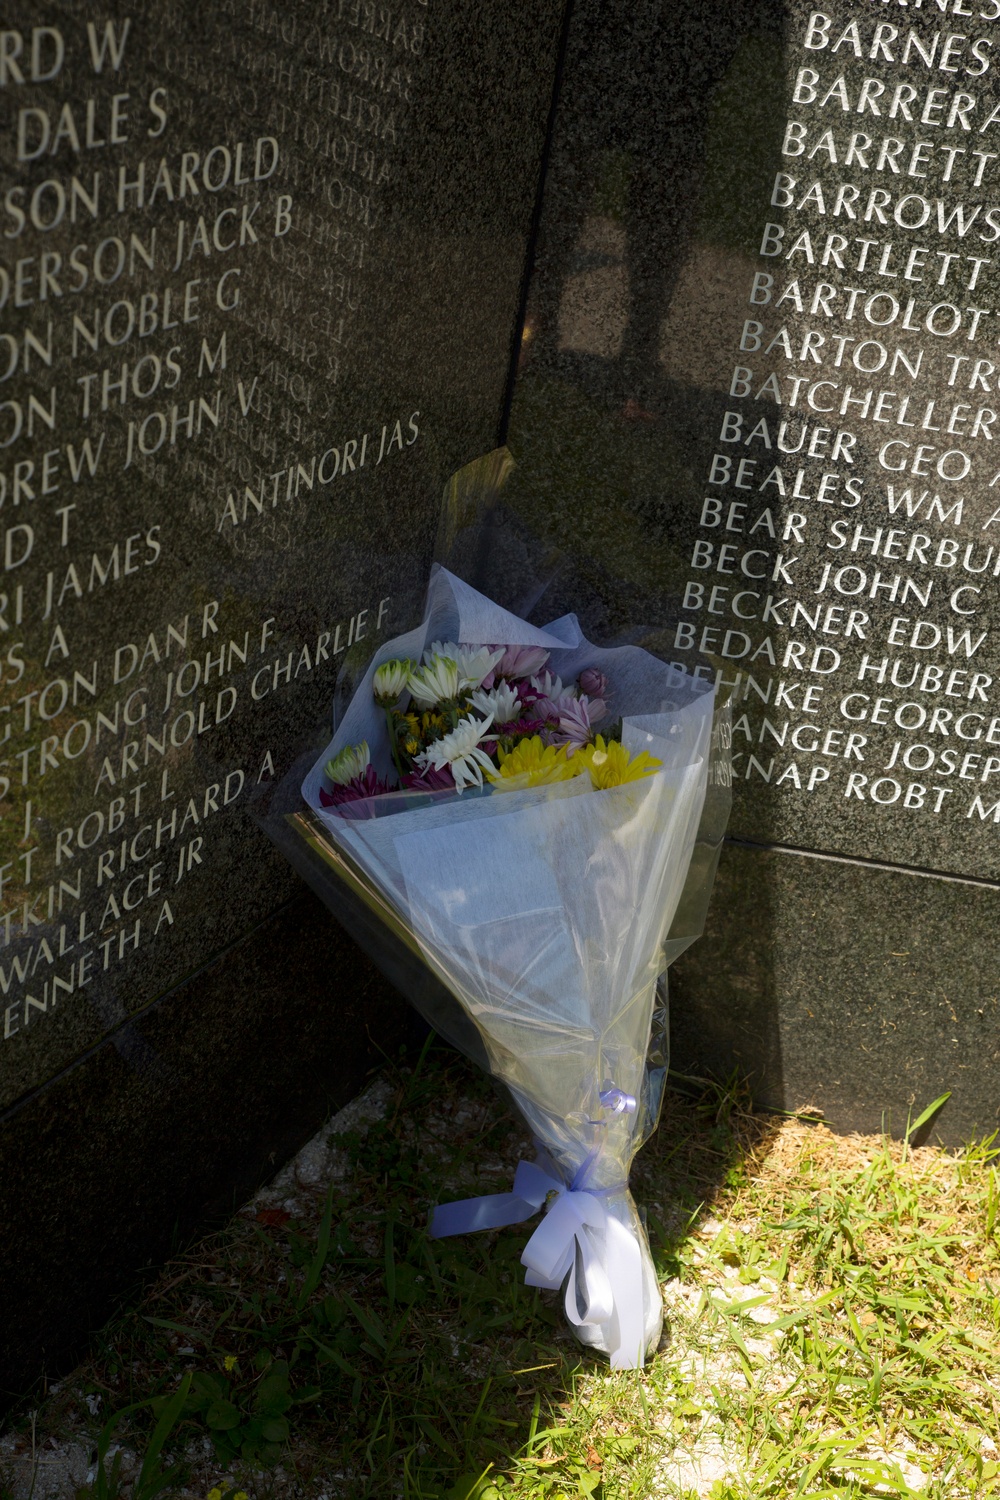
pixel 578 1242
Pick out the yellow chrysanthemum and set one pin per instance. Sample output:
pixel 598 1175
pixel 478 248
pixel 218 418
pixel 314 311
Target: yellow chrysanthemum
pixel 530 763
pixel 610 764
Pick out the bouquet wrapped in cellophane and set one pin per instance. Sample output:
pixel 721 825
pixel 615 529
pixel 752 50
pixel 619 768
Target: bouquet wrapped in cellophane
pixel 521 808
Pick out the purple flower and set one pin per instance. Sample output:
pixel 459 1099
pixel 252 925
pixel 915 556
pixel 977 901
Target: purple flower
pixel 532 701
pixel 520 661
pixel 430 780
pixel 525 726
pixel 362 788
pixel 593 683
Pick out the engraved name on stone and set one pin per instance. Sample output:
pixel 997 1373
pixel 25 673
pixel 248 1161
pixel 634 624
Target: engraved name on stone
pixel 844 571
pixel 179 292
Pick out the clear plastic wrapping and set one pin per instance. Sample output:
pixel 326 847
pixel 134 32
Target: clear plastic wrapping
pixel 533 929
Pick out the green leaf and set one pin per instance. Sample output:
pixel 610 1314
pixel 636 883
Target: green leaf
pixel 790 1319
pixel 411 1284
pixel 273 1398
pixel 738 1309
pixel 222 1415
pixel 428 1428
pixel 470 1487
pixel 322 1251
pixel 151 1480
pixel 306 1393
pixel 273 1406
pixel 210 1386
pixel 390 1264
pixel 622 1445
pixel 927 1114
pixel 333 1310
pixel 369 1322
pixel 687 1408
pixel 275 1430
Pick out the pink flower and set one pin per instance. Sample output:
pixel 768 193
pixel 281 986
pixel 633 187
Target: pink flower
pixel 593 683
pixel 546 710
pixel 537 702
pixel 576 720
pixel 520 661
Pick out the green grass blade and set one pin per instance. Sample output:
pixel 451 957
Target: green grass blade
pixel 926 1115
pixel 150 1481
pixel 318 1262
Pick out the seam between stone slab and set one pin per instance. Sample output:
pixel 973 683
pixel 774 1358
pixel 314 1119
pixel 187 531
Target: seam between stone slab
pixel 840 859
pixel 535 225
pixel 10 1110
pixel 869 864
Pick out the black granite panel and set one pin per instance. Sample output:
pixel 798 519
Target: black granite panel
pixel 758 398
pixel 865 992
pixel 173 1120
pixel 260 271
pixel 768 250
pixel 260 275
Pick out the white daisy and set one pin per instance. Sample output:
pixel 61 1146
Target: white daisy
pixel 474 662
pixel 551 686
pixel 460 750
pixel 501 703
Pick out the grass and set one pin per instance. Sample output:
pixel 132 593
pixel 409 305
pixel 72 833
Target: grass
pixel 839 1319
pixel 832 1310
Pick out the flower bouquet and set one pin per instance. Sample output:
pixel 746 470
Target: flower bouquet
pixel 520 808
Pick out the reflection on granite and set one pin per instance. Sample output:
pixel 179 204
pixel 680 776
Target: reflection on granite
pixel 660 182
pixel 833 983
pixel 863 992
pixel 175 1119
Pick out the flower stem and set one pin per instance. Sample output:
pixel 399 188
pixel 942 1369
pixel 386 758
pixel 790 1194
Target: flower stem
pixel 392 743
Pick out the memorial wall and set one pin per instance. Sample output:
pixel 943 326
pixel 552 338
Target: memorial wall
pixel 260 274
pixel 763 353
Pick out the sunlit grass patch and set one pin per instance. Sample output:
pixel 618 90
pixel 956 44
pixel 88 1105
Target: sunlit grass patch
pixel 835 1327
